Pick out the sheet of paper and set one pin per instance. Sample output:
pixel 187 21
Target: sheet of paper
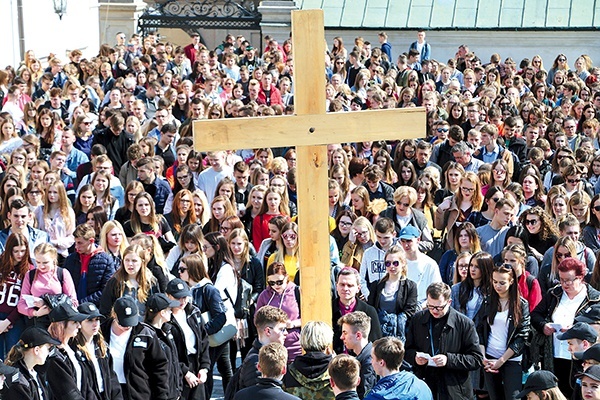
pixel 557 327
pixel 430 361
pixel 29 299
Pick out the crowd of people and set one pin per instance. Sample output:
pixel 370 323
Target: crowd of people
pixel 463 264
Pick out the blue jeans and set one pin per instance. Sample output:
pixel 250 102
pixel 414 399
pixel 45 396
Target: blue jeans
pixel 11 337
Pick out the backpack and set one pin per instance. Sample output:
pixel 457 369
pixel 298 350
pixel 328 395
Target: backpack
pixel 59 273
pixel 241 307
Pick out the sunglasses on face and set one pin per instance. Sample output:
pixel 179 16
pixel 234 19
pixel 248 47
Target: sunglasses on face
pixel 440 130
pixel 572 181
pixel 395 263
pixel 182 269
pixel 531 221
pixel 276 283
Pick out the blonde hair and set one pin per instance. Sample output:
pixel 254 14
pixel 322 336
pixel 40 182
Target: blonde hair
pixel 107 227
pixel 64 207
pixel 144 277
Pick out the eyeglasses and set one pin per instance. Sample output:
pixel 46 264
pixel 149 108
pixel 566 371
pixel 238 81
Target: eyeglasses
pixel 181 269
pixel 466 189
pixel 395 263
pixel 568 281
pixel 440 130
pixel 573 180
pixel 224 229
pixel 531 221
pixel 463 266
pixel 289 237
pixel 207 246
pixel 436 308
pixel 362 234
pixel 276 283
pixel 562 255
pixel 342 223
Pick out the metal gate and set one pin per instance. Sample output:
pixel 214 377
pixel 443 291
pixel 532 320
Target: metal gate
pixel 191 15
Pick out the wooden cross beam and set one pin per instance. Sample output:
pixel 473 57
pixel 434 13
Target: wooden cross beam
pixel 310 130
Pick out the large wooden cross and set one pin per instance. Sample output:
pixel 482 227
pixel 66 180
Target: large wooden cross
pixel 310 130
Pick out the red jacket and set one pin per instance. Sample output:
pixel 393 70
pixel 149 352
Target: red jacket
pixel 275 96
pixel 260 228
pixel 533 296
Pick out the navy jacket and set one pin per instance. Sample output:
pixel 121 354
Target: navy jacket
pixel 100 270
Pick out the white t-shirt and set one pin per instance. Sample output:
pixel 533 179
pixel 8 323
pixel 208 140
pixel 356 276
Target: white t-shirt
pixel 564 314
pixel 423 271
pixel 76 365
pixel 498 335
pixel 190 338
pixel 92 350
pixel 118 346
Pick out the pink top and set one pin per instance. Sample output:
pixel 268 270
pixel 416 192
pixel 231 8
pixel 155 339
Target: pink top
pixel 46 283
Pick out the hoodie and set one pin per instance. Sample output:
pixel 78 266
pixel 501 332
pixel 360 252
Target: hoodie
pixel 307 377
pixel 402 385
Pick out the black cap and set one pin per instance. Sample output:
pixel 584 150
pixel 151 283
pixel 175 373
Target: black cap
pixel 90 310
pixel 178 288
pixel 66 312
pixel 7 370
pixel 581 331
pixel 592 372
pixel 35 336
pixel 538 380
pixel 159 301
pixel 591 353
pixel 590 315
pixel 127 311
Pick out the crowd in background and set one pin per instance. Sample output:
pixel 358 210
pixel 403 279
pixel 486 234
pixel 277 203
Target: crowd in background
pixel 461 262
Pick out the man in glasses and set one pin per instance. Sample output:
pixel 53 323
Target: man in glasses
pixel 442 345
pixel 271 326
pixel 348 288
pixel 463 154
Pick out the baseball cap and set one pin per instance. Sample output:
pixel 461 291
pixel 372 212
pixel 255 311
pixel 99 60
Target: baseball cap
pixel 36 336
pixel 127 311
pixel 538 380
pixel 65 312
pixel 591 353
pixel 592 372
pixel 409 232
pixel 178 288
pixel 90 310
pixel 590 315
pixel 159 301
pixel 581 331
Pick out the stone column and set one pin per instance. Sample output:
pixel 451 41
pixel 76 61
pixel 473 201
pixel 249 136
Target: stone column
pixel 119 16
pixel 277 18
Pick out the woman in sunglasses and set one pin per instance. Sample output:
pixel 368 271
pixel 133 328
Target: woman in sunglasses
pixel 503 329
pixel 394 296
pixel 565 247
pixel 283 294
pixel 559 64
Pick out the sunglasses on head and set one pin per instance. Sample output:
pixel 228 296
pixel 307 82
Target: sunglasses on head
pixel 276 283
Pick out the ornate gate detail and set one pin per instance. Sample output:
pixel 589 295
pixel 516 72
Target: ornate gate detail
pixel 190 15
